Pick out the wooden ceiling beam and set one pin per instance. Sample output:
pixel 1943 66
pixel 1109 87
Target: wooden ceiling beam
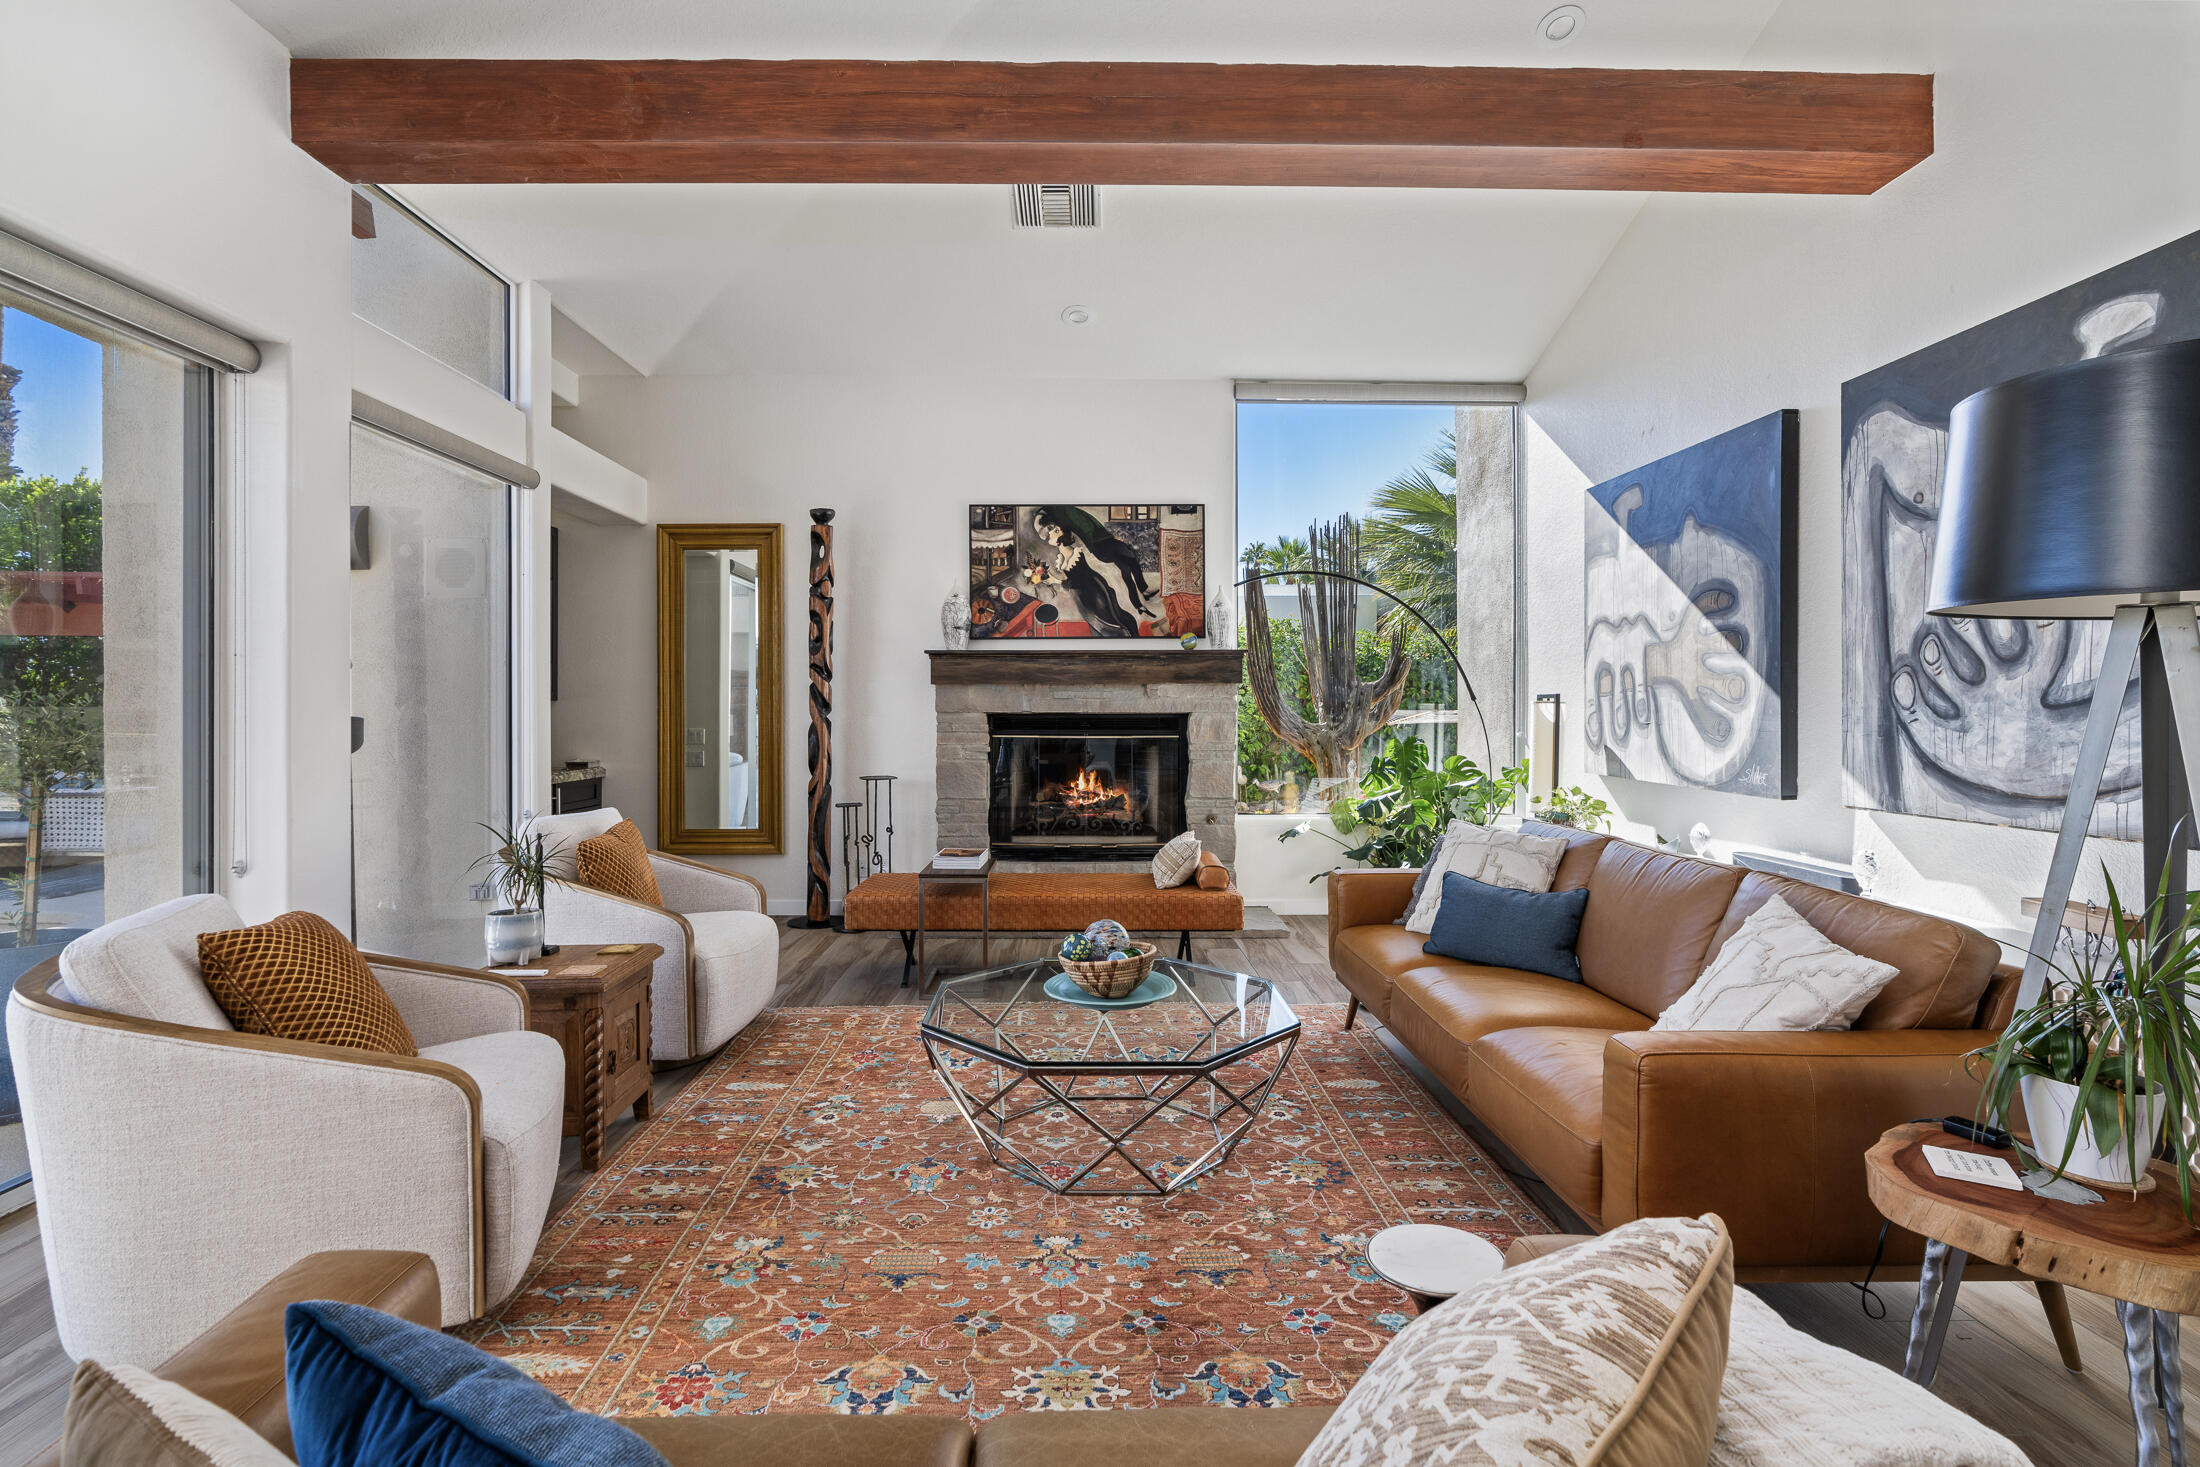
pixel 464 121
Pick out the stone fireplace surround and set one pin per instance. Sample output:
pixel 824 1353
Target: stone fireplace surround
pixel 1201 684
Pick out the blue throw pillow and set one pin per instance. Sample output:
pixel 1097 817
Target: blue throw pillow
pixel 370 1390
pixel 1502 928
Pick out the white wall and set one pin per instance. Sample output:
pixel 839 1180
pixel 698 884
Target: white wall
pixel 2068 139
pixel 900 459
pixel 152 142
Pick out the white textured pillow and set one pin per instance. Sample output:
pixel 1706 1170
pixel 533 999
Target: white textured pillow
pixel 1508 858
pixel 1608 1354
pixel 1789 1400
pixel 1779 972
pixel 1177 862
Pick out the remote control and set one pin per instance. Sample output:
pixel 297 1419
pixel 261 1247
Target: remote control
pixel 1979 1132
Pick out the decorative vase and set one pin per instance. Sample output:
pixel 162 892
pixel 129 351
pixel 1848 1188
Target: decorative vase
pixel 512 937
pixel 2051 1106
pixel 1218 619
pixel 955 621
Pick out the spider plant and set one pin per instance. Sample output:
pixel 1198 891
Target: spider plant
pixel 519 863
pixel 2118 1026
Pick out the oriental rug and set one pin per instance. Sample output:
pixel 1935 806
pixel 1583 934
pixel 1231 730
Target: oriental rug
pixel 811 1226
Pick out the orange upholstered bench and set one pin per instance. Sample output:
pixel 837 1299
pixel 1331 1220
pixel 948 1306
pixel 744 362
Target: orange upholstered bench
pixel 1044 901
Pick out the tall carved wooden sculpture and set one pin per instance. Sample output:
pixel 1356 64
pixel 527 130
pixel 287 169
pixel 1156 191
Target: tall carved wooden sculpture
pixel 1345 709
pixel 817 911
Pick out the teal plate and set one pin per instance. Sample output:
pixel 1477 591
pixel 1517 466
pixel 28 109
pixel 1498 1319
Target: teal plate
pixel 1156 987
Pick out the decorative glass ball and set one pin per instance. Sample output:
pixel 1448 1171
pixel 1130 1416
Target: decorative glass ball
pixel 1079 948
pixel 1119 956
pixel 1109 934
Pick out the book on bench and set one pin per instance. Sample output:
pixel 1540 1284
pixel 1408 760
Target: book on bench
pixel 962 858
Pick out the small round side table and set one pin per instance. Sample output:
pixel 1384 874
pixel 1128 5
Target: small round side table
pixel 2139 1251
pixel 1432 1263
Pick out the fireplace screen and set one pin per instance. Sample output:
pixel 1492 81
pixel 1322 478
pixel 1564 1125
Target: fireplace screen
pixel 1086 786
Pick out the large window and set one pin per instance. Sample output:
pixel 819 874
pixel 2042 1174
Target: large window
pixel 106 527
pixel 1387 472
pixel 431 678
pixel 419 287
pixel 106 475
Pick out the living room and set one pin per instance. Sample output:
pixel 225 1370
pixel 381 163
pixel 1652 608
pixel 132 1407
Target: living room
pixel 1040 715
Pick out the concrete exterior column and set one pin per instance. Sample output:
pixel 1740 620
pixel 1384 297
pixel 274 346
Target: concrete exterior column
pixel 1489 581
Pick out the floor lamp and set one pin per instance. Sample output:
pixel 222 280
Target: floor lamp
pixel 2074 493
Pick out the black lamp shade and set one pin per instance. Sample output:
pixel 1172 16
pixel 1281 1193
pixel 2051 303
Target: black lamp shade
pixel 2073 491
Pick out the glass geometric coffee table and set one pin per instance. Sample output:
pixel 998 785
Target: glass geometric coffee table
pixel 1109 1100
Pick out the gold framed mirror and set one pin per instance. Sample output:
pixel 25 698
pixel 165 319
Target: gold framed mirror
pixel 719 639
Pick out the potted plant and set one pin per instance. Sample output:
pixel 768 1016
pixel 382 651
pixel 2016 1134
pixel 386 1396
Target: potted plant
pixel 1404 802
pixel 2109 1055
pixel 519 867
pixel 1575 807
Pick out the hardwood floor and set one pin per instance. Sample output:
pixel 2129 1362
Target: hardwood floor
pixel 1999 1364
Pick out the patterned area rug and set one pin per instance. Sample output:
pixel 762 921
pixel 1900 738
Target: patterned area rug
pixel 812 1227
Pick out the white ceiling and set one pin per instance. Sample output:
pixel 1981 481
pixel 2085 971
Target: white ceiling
pixel 1183 282
pixel 1419 32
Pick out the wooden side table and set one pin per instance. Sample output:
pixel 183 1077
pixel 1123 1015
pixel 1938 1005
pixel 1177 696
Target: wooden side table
pixel 596 1005
pixel 982 878
pixel 2138 1251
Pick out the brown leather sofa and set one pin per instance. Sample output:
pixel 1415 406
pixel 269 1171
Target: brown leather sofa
pixel 237 1364
pixel 1768 1130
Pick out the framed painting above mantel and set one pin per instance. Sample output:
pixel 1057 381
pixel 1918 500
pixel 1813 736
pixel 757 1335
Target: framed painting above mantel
pixel 1087 570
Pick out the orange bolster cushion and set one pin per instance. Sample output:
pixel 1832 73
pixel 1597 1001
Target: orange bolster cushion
pixel 1212 875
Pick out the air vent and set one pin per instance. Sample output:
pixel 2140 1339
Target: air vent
pixel 1057 206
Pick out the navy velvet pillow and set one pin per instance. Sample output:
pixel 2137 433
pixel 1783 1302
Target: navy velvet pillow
pixel 369 1388
pixel 1503 928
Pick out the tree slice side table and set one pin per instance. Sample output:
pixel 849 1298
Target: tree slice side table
pixel 596 1005
pixel 2138 1251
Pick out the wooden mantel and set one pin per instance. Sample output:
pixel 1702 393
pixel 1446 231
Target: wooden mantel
pixel 811 121
pixel 1057 666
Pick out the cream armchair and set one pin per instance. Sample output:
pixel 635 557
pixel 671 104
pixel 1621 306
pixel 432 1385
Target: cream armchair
pixel 178 1163
pixel 721 952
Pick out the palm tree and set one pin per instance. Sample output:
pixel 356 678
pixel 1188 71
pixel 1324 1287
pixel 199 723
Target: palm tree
pixel 1287 554
pixel 1412 538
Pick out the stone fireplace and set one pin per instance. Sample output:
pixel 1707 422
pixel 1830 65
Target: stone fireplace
pixel 1085 759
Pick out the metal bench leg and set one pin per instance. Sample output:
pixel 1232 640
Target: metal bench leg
pixel 1184 946
pixel 908 956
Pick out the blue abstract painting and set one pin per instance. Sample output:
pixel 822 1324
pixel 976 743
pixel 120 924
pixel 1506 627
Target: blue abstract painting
pixel 1968 718
pixel 1690 636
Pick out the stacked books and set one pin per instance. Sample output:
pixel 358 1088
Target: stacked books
pixel 962 858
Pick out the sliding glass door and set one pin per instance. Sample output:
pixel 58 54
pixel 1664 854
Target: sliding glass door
pixel 106 529
pixel 430 694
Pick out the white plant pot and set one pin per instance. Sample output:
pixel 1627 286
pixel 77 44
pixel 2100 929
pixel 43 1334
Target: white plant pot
pixel 512 937
pixel 2051 1107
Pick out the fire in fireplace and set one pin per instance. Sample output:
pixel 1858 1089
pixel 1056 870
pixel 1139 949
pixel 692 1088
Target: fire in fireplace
pixel 1085 786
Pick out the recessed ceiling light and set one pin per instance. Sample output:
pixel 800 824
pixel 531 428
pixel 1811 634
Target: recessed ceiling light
pixel 1561 25
pixel 1077 315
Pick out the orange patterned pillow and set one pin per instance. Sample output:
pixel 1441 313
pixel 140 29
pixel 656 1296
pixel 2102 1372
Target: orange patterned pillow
pixel 617 862
pixel 297 977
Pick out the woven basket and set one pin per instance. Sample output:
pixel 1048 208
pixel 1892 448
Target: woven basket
pixel 1113 978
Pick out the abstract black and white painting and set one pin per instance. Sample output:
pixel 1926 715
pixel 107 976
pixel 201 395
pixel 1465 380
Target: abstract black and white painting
pixel 1087 570
pixel 1973 719
pixel 1690 637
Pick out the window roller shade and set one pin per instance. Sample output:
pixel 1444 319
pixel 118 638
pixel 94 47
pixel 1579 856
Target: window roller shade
pixel 423 434
pixel 46 277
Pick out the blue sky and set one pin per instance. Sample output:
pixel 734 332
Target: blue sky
pixel 1301 462
pixel 57 402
